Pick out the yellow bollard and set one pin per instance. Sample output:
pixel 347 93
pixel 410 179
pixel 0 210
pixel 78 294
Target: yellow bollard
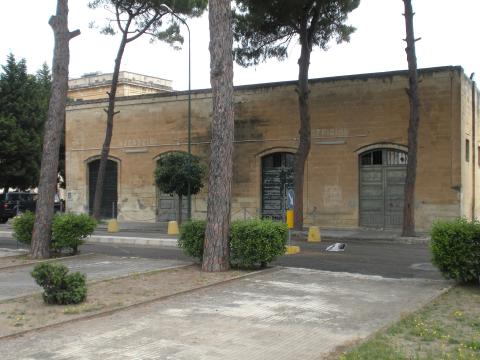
pixel 172 228
pixel 112 226
pixel 292 249
pixel 314 234
pixel 290 219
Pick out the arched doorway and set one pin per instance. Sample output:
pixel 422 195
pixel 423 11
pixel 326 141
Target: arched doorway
pixel 277 179
pixel 382 183
pixel 108 207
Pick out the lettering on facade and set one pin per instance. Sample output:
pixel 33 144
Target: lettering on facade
pixel 330 132
pixel 140 142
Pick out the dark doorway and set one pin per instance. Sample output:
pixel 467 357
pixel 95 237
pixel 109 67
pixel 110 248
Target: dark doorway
pixel 109 197
pixel 277 179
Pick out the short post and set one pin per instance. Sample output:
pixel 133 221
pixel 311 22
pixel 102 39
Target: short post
pixel 112 223
pixel 18 207
pixel 289 218
pixel 290 225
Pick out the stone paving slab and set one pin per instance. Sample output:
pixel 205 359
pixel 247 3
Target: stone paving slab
pixel 279 315
pixel 15 282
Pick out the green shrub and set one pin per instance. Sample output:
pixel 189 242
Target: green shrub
pixel 70 230
pixel 23 227
pixel 455 247
pixel 59 286
pixel 192 237
pixel 256 242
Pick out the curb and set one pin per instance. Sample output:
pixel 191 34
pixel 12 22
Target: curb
pixel 130 240
pixel 169 242
pixel 391 240
pixel 119 240
pixel 139 304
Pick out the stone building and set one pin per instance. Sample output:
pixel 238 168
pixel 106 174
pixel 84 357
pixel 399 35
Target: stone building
pixel 96 85
pixel 355 172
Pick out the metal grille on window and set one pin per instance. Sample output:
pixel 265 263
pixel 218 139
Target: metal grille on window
pixel 396 158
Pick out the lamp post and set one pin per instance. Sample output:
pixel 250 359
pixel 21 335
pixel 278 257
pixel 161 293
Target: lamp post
pixel 189 121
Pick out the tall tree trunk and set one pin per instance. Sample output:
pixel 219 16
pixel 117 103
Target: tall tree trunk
pixel 409 204
pixel 216 251
pixel 97 202
pixel 41 236
pixel 303 150
pixel 179 210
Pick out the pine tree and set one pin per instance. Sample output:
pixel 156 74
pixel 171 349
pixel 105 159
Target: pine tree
pixel 265 29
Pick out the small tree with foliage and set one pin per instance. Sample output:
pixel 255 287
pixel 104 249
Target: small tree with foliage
pixel 132 19
pixel 175 172
pixel 264 29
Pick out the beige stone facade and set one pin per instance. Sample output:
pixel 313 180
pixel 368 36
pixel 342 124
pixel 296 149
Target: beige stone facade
pixel 351 115
pixel 96 85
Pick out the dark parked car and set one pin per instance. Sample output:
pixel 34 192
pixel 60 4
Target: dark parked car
pixel 13 203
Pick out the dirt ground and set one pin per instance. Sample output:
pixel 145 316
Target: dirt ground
pixel 30 312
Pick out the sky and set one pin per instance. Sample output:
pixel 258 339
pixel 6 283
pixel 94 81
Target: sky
pixel 448 29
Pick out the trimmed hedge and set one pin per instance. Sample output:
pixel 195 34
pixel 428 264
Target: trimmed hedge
pixel 192 238
pixel 252 242
pixel 70 230
pixel 23 227
pixel 257 242
pixel 455 247
pixel 59 286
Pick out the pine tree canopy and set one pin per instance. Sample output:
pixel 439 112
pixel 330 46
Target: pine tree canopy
pixel 264 29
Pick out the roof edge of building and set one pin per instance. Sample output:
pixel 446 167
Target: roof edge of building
pixel 363 76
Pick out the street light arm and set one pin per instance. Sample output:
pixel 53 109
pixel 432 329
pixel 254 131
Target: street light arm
pixel 173 13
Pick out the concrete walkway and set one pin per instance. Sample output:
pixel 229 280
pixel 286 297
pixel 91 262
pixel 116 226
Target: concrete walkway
pixel 282 314
pixel 17 281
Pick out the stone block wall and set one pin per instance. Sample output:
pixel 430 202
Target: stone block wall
pixel 349 115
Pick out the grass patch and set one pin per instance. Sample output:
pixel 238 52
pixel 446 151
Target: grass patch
pixel 83 308
pixel 447 328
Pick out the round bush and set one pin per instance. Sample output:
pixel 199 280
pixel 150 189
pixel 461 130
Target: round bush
pixel 70 230
pixel 455 247
pixel 23 227
pixel 192 238
pixel 59 286
pixel 256 242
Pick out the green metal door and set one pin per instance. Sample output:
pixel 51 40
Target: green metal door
pixel 109 194
pixel 277 179
pixel 382 183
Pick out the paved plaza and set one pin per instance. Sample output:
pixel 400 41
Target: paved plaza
pixel 17 281
pixel 284 313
